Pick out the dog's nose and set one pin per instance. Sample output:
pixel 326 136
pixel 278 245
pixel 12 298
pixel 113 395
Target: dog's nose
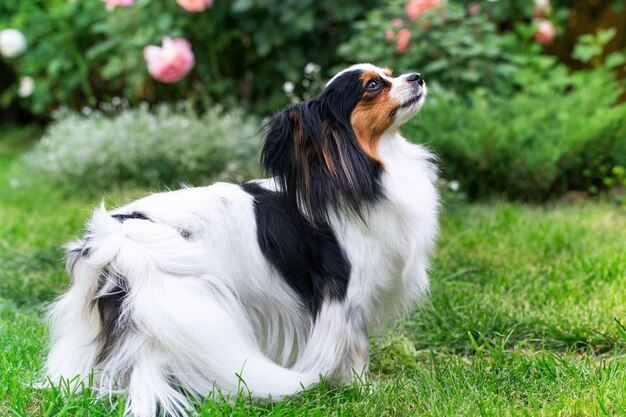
pixel 415 77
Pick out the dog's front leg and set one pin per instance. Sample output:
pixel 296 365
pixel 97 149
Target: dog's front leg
pixel 338 347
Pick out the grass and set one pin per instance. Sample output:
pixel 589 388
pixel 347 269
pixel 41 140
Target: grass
pixel 523 319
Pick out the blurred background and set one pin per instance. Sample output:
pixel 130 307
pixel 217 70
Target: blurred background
pixel 527 97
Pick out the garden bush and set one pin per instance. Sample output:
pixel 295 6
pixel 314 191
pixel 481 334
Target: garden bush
pixel 80 54
pixel 459 47
pixel 142 147
pixel 561 132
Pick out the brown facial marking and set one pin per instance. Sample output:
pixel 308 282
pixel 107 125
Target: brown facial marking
pixel 370 118
pixel 388 71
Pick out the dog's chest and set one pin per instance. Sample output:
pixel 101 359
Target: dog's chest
pixel 389 253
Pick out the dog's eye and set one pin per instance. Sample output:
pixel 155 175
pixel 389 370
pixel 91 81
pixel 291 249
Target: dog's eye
pixel 372 85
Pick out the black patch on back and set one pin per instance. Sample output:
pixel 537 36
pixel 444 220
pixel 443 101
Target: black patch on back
pixel 308 257
pixel 134 215
pixel 109 299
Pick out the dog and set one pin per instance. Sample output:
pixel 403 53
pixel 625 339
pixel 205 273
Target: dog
pixel 268 285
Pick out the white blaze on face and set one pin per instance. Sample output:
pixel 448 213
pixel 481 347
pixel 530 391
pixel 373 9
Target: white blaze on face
pixel 362 68
pixel 411 97
pixel 403 90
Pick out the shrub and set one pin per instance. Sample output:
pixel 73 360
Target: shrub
pixel 559 133
pixel 140 147
pixel 458 48
pixel 80 54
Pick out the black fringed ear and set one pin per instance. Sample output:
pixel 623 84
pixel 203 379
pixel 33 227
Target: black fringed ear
pixel 315 156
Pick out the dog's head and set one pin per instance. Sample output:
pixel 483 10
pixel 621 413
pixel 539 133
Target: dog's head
pixel 324 152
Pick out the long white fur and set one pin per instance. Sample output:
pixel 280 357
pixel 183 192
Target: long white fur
pixel 212 316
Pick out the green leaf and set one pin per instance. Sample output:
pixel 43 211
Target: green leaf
pixel 164 22
pixel 469 75
pixel 99 49
pixel 585 52
pixel 113 68
pixel 100 27
pixel 605 36
pixel 242 6
pixel 55 66
pixel 615 60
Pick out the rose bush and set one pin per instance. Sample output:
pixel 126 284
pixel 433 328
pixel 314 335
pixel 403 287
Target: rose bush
pixel 443 40
pixel 81 54
pixel 460 45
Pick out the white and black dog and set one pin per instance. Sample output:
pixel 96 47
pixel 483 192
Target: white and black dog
pixel 267 285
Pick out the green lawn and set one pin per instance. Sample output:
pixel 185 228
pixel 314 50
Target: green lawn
pixel 523 317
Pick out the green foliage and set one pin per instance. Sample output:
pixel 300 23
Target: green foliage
pixel 561 132
pixel 12 137
pixel 616 180
pixel 590 49
pixel 140 147
pixel 457 50
pixel 57 33
pixel 79 54
pixel 505 12
pixel 591 46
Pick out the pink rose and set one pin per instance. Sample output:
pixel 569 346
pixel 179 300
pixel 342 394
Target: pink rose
pixel 194 5
pixel 415 8
pixel 171 62
pixel 111 4
pixel 397 23
pixel 545 32
pixel 404 38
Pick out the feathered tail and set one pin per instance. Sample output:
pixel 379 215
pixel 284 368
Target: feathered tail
pixel 143 314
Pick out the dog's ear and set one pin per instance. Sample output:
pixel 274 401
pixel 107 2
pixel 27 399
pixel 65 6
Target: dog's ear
pixel 291 154
pixel 317 160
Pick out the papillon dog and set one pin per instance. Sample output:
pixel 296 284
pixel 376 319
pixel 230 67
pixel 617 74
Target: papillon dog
pixel 265 286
